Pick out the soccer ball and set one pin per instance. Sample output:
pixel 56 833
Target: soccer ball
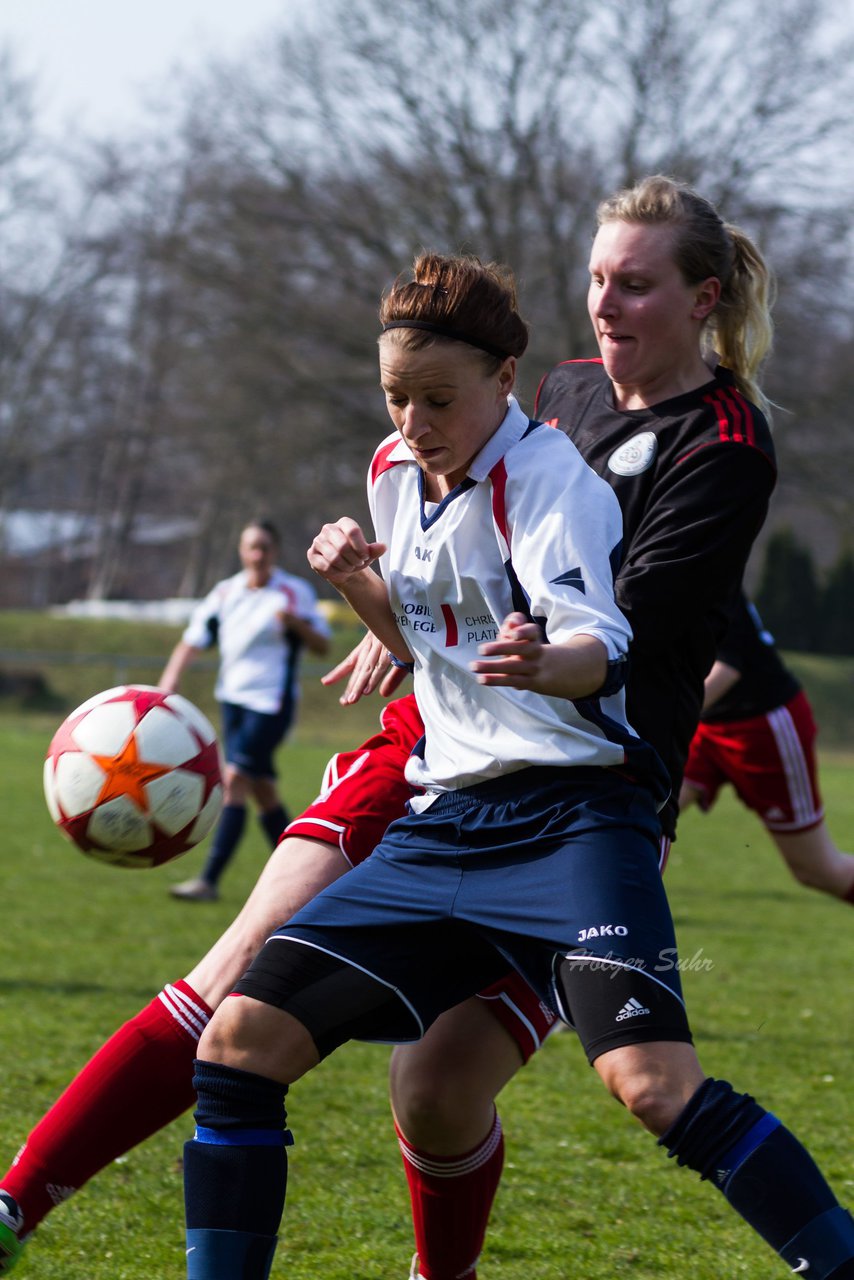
pixel 133 777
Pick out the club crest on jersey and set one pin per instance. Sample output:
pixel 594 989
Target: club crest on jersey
pixel 635 455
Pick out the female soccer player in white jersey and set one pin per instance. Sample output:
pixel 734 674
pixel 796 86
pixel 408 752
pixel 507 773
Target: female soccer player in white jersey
pixel 532 840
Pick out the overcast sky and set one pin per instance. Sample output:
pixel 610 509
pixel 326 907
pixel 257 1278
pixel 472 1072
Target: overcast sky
pixel 92 58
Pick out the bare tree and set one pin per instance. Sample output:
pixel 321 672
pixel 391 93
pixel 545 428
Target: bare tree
pixel 227 280
pixel 496 128
pixel 25 326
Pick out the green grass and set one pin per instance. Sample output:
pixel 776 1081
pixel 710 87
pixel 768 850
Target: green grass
pixel 76 657
pixel 585 1192
pixel 830 685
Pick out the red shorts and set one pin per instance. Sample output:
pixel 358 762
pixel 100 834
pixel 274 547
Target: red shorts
pixel 770 761
pixel 365 790
pixel 521 1012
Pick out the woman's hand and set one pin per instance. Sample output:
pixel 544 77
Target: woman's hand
pixel 367 667
pixel 520 658
pixel 515 658
pixel 341 550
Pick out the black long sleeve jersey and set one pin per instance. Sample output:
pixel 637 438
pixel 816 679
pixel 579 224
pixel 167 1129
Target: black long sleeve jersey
pixel 693 476
pixel 766 682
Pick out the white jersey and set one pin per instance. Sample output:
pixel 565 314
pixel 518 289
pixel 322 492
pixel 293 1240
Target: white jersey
pixel 531 528
pixel 258 657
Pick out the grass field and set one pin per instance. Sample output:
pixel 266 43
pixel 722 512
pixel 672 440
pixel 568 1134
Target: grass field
pixel 768 977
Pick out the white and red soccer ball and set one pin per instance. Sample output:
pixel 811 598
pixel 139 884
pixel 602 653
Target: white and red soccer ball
pixel 134 777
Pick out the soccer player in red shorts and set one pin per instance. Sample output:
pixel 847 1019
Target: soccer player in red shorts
pixel 757 733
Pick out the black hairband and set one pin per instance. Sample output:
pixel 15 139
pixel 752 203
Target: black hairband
pixel 443 331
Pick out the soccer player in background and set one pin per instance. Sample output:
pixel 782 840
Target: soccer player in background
pixel 261 619
pixel 757 732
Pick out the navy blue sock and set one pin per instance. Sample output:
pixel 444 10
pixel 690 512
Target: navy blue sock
pixel 235 1174
pixel 274 822
pixel 766 1175
pixel 226 839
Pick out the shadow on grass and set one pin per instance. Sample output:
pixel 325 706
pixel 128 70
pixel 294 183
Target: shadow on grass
pixel 53 987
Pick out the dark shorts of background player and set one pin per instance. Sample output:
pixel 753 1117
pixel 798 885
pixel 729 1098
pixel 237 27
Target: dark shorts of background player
pixel 551 872
pixel 251 737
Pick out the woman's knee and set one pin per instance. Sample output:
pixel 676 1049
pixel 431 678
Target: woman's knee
pixel 653 1081
pixel 265 794
pixel 226 1033
pixel 257 1037
pixel 422 1095
pixel 443 1088
pixel 236 786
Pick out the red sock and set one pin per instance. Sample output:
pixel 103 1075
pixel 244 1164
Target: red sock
pixel 451 1200
pixel 135 1084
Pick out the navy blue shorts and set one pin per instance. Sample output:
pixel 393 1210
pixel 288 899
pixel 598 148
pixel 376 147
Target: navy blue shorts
pixel 519 872
pixel 251 737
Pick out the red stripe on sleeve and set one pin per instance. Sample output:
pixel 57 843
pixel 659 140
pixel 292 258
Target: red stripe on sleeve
pixel 723 424
pixel 735 416
pixel 747 412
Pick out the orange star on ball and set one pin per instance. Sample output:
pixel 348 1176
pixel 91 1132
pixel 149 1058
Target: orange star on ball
pixel 127 775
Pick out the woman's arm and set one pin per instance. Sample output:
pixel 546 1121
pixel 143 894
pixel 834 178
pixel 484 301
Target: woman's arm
pixel 315 641
pixel 343 557
pixel 180 658
pixel 367 667
pixel 519 659
pixel 721 678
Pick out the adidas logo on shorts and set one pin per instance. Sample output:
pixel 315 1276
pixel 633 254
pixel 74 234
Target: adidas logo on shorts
pixel 631 1009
